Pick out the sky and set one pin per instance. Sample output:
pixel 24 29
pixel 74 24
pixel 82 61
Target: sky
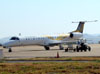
pixel 46 17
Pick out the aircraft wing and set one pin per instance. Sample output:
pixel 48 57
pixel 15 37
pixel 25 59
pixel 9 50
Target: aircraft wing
pixel 63 42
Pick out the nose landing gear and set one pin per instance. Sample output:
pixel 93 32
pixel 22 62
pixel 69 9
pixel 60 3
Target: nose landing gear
pixel 10 50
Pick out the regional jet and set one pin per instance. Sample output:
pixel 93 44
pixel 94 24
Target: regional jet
pixel 49 41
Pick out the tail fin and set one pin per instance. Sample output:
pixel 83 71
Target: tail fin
pixel 80 27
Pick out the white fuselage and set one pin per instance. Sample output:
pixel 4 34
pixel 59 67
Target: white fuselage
pixel 42 41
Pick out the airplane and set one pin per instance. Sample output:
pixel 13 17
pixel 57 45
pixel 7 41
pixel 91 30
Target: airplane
pixel 49 41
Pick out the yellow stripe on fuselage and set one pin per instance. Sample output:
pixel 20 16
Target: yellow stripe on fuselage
pixel 59 37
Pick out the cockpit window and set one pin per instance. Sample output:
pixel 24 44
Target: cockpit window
pixel 14 38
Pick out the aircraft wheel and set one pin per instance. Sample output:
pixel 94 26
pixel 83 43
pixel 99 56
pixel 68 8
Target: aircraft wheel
pixel 9 50
pixel 89 48
pixel 85 50
pixel 81 50
pixel 78 50
pixel 74 50
pixel 66 50
pixel 46 48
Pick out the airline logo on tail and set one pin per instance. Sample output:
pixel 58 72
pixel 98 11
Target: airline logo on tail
pixel 80 27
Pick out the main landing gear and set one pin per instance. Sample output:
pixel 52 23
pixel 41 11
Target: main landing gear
pixel 47 47
pixel 82 47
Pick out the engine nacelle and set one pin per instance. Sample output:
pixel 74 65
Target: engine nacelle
pixel 71 35
pixel 75 35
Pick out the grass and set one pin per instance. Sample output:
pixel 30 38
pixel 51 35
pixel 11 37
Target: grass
pixel 50 68
pixel 62 59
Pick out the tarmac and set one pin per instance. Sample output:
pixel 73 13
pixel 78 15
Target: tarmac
pixel 39 51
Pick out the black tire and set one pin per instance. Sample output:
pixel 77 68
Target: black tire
pixel 81 50
pixel 66 50
pixel 77 47
pixel 85 50
pixel 46 48
pixel 74 50
pixel 84 47
pixel 89 48
pixel 9 50
pixel 77 50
